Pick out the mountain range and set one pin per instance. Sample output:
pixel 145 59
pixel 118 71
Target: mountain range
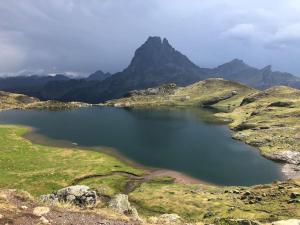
pixel 154 63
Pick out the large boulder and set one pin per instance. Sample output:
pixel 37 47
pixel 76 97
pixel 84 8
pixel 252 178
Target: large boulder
pixel 121 204
pixel 79 195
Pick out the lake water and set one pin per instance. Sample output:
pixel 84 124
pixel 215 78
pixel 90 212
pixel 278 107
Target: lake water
pixel 184 140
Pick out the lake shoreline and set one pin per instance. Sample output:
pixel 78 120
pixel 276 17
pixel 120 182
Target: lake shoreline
pixel 34 137
pixel 287 170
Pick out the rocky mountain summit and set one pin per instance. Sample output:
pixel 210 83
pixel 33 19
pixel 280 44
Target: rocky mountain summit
pixel 154 63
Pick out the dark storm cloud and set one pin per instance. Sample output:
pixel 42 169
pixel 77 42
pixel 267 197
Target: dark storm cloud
pixel 86 35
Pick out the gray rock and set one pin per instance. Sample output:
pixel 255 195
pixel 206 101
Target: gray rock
pixel 291 157
pixel 235 222
pixel 79 195
pixel 169 219
pixel 121 204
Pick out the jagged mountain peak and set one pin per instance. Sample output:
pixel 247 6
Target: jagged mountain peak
pixel 157 53
pixel 237 62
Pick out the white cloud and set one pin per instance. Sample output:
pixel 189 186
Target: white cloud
pixel 11 56
pixel 242 32
pixel 287 36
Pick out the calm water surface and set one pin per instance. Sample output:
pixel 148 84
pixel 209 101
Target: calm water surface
pixel 187 141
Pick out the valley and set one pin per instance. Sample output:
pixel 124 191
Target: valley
pixel 46 169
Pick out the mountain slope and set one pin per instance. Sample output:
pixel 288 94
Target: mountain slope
pixel 20 101
pixel 237 70
pixel 156 62
pixel 213 92
pixel 28 85
pixel 98 76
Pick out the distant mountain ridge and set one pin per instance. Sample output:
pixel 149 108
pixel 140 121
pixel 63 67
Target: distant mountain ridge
pixel 238 70
pixel 154 63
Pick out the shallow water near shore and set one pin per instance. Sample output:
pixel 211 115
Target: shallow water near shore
pixel 190 141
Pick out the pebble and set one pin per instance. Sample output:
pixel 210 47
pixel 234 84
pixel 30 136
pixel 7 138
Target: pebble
pixel 39 211
pixel 1 216
pixel 44 220
pixel 24 207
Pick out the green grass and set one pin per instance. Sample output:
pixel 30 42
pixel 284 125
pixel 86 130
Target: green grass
pixel 107 186
pixel 193 202
pixel 41 169
pixel 274 128
pixel 193 95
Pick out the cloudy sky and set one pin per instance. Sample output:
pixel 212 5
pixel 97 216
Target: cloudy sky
pixel 85 35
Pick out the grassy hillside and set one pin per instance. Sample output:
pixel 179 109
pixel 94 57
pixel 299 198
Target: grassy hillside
pixel 270 120
pixel 11 100
pixel 218 93
pixel 19 101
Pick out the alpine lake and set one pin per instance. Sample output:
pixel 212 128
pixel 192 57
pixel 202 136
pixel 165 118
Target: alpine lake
pixel 191 140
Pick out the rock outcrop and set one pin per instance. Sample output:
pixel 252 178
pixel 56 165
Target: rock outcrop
pixel 166 89
pixel 79 195
pixel 291 157
pixel 225 221
pixel 121 204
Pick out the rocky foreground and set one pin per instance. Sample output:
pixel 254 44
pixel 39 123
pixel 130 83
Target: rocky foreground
pixel 80 205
